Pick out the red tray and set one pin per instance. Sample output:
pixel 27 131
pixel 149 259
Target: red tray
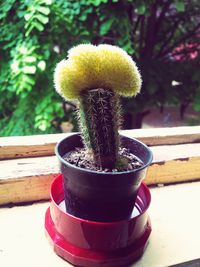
pixel 93 244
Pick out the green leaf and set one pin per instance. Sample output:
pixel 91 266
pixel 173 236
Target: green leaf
pixel 27 16
pixel 23 50
pixel 15 66
pixel 38 117
pixel 180 6
pixel 42 124
pixel 29 30
pixel 20 14
pixel 32 48
pixel 43 19
pixel 29 69
pixel 106 26
pixel 24 87
pixel 141 9
pixel 42 65
pixel 95 2
pixel 44 10
pixel 30 59
pixel 83 17
pixel 48 2
pixel 38 26
pixel 84 33
pixel 28 79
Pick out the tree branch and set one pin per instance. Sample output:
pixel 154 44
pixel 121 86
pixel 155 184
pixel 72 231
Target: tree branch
pixel 168 40
pixel 136 24
pixel 162 15
pixel 150 37
pixel 141 39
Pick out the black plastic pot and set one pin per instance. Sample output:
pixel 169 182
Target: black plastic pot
pixel 101 196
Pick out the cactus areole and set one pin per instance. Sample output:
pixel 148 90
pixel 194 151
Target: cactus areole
pixel 96 76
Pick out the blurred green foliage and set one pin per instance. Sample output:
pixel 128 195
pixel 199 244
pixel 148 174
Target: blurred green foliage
pixel 161 35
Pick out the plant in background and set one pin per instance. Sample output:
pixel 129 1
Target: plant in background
pixel 96 76
pixel 35 35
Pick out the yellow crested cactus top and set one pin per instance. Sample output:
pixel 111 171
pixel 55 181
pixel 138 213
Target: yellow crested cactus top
pixel 103 66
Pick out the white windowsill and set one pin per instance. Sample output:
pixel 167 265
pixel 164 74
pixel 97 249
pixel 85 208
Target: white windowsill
pixel 175 238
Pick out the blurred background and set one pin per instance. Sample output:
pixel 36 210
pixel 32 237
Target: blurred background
pixel 162 36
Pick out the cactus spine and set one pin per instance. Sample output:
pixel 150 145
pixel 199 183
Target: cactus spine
pixel 100 119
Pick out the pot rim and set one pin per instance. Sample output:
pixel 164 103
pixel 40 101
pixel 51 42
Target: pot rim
pixel 106 173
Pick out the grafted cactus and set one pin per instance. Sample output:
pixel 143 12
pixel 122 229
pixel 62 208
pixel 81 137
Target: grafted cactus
pixel 96 76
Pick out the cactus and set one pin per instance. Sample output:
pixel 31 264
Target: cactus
pixel 96 76
pixel 99 119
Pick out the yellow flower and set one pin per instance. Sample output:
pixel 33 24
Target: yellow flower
pixel 102 66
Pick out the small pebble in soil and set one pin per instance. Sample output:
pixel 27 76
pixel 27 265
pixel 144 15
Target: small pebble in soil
pixel 79 158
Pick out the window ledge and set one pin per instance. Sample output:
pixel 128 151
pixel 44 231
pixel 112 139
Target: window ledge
pixel 28 164
pixel 174 239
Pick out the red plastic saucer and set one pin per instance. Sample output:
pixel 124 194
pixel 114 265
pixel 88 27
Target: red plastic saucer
pixel 93 244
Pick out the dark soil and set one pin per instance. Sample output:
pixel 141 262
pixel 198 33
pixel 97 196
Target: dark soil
pixel 80 158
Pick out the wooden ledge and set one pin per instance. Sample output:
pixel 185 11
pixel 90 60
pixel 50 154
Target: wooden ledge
pixel 166 136
pixel 43 145
pixel 28 179
pixel 28 164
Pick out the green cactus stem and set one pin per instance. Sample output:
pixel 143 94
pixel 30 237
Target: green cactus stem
pixel 100 120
